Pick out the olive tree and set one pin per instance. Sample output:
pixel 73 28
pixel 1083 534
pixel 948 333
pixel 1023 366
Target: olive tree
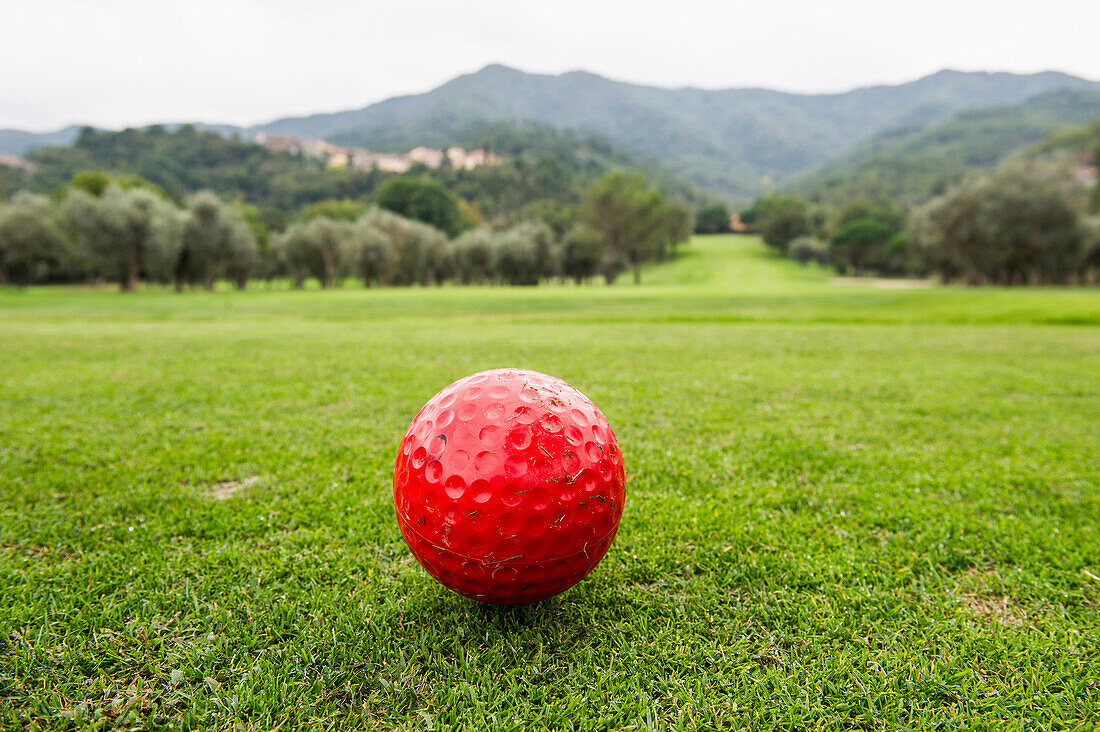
pixel 472 254
pixel 544 242
pixel 217 242
pixel 368 254
pixel 516 257
pixel 30 241
pixel 420 249
pixel 298 254
pixel 123 233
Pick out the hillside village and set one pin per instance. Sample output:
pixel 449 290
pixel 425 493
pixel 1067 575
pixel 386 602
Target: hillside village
pixel 338 156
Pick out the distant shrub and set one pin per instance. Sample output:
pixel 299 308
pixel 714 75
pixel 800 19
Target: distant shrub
pixel 859 245
pixel 781 220
pixel 807 249
pixel 713 220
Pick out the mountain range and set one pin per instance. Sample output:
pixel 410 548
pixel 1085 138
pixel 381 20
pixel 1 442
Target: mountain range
pixel 736 143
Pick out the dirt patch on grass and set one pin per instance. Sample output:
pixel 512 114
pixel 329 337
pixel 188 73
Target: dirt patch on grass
pixel 883 283
pixel 993 608
pixel 227 489
pixel 980 599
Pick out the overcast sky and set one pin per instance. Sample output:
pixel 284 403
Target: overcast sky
pixel 129 62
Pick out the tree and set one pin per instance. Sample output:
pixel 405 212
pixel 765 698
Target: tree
pixel 472 253
pixel 262 264
pixel 515 258
pixel 1094 203
pixel 1014 226
pixel 1089 268
pixel 298 254
pixel 369 254
pixel 329 237
pixel 677 229
pixel 30 242
pixel 542 239
pixel 96 182
pixel 633 219
pixel 216 242
pixel 317 248
pixel 420 250
pixel 890 213
pixel 335 209
pixel 781 219
pixel 581 253
pixel 124 233
pixel 859 243
pixel 422 199
pixel 713 220
pixel 555 214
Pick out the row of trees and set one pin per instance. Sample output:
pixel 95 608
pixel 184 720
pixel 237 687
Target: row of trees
pixel 126 230
pixel 622 223
pixel 1019 224
pixel 124 235
pixel 381 248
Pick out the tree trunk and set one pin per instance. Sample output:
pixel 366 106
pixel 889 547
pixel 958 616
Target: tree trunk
pixel 637 273
pixel 129 281
pixel 242 281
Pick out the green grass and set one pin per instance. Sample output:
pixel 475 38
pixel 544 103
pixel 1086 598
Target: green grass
pixel 847 507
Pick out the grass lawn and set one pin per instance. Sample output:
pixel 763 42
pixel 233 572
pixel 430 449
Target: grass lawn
pixel 847 507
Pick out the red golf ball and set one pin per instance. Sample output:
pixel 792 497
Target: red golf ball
pixel 509 486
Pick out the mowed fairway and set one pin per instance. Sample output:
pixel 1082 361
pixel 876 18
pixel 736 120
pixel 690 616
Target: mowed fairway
pixel 847 507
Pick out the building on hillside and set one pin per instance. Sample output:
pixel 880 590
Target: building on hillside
pixel 462 159
pixel 429 156
pixel 335 156
pixel 392 162
pixel 457 158
pixel 476 158
pixel 279 143
pixel 14 161
pixel 737 225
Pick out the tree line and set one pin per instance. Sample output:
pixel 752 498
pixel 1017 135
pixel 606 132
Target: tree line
pixel 1029 222
pixel 126 230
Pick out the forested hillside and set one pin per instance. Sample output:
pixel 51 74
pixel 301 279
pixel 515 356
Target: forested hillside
pixel 910 164
pixel 540 166
pixel 735 142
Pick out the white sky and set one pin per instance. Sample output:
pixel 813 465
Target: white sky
pixel 130 62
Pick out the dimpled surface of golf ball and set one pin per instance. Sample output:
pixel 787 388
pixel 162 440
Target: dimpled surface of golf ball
pixel 509 486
